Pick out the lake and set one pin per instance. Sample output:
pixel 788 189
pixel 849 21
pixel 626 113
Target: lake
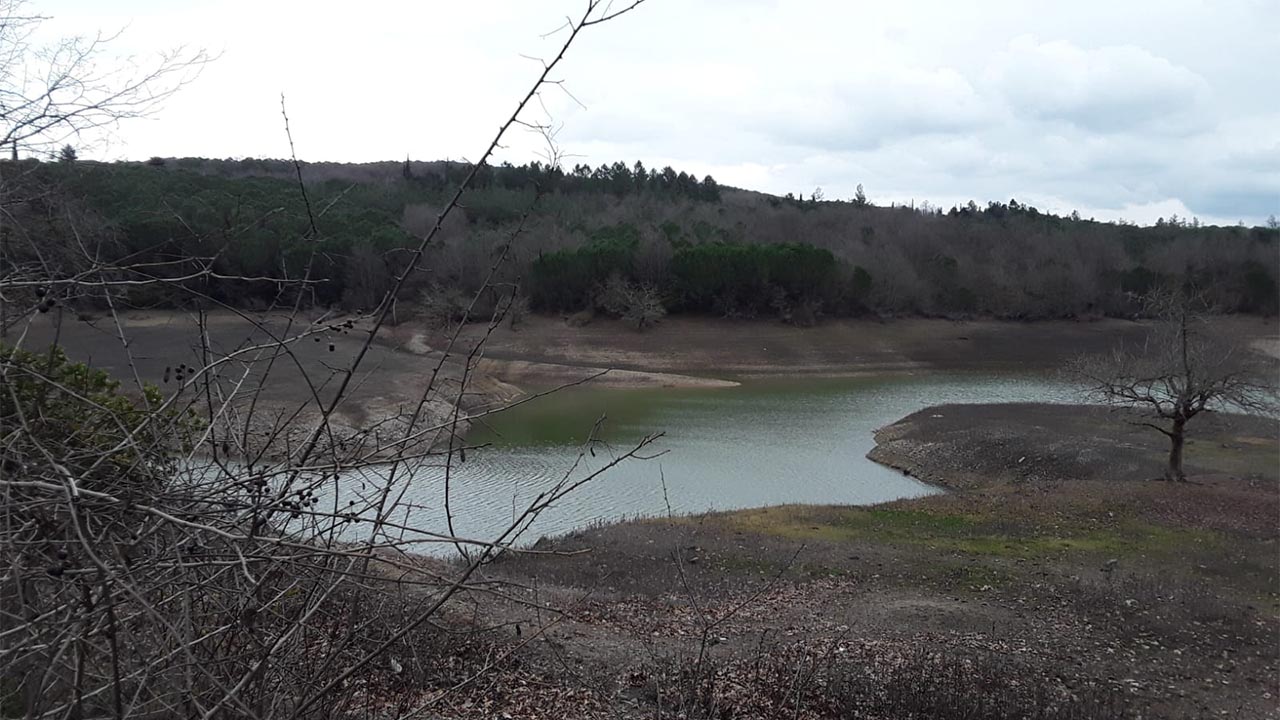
pixel 766 442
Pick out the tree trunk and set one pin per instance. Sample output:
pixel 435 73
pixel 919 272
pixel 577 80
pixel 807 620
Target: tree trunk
pixel 1177 437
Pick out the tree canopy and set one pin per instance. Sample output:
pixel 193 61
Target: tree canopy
pixel 704 248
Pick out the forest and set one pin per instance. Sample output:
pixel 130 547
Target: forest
pixel 601 239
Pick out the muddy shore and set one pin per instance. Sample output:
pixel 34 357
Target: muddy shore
pixel 1101 593
pixel 546 350
pixel 974 445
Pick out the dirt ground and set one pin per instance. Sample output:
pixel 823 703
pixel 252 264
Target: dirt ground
pixel 971 445
pixel 1107 594
pixel 545 351
pixel 728 350
pixel 286 392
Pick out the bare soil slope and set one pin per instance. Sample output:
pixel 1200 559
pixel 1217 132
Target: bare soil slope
pixel 289 390
pixel 732 349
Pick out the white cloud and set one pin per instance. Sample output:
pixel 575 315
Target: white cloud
pixel 1105 90
pixel 869 111
pixel 1163 105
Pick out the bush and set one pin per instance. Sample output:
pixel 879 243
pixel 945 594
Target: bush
pixel 639 305
pixel 441 307
pixel 83 460
pixel 55 412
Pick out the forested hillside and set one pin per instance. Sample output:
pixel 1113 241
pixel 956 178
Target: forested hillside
pixel 618 238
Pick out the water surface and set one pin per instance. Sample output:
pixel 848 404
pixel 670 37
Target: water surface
pixel 766 442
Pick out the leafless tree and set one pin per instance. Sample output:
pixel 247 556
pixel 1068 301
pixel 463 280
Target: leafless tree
pixel 1181 370
pixel 50 93
pixel 66 89
pixel 199 546
pixel 638 304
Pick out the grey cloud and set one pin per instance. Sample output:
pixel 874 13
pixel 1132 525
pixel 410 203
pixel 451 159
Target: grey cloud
pixel 1160 105
pixel 1231 203
pixel 874 110
pixel 1108 89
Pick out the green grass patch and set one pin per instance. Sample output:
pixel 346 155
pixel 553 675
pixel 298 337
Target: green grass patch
pixel 990 535
pixel 917 520
pixel 1233 455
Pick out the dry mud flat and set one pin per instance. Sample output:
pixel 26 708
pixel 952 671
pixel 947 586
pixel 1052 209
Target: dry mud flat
pixel 287 393
pixel 972 445
pixel 545 351
pixel 728 349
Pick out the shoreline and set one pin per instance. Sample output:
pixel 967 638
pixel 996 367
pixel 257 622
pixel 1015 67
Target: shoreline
pixel 680 352
pixel 687 351
pixel 1078 578
pixel 959 447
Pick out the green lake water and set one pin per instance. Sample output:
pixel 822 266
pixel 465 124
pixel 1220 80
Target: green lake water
pixel 767 442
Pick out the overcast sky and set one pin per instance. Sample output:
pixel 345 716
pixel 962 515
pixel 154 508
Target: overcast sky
pixel 1127 109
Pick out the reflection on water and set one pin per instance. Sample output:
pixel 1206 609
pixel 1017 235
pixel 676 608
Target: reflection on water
pixel 767 442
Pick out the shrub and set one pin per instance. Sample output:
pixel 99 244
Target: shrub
pixel 637 304
pixel 55 412
pixel 82 460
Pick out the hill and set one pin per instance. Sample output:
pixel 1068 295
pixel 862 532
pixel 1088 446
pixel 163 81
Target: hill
pixel 620 239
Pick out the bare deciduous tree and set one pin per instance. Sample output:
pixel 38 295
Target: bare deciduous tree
pixel 204 544
pixel 638 304
pixel 1181 370
pixel 52 92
